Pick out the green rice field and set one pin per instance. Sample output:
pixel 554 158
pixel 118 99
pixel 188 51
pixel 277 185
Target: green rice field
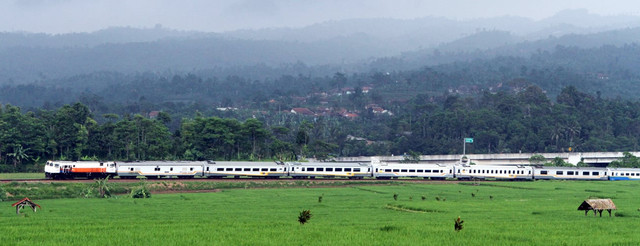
pixel 494 213
pixel 21 175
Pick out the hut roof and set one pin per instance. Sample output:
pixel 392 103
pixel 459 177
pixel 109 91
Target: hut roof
pixel 597 204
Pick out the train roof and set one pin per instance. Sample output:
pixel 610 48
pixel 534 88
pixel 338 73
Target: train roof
pixel 244 163
pixel 328 164
pixel 410 165
pixel 570 168
pixel 162 163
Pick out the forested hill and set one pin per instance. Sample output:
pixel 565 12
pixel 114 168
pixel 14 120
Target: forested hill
pixel 610 71
pixel 348 45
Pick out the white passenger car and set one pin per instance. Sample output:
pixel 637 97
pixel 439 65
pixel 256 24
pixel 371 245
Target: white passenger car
pixel 160 169
pixel 624 174
pixel 426 171
pixel 329 170
pixel 494 172
pixel 236 169
pixel 575 173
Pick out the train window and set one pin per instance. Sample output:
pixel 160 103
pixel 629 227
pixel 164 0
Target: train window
pixel 558 172
pixel 403 170
pixel 191 169
pixel 347 169
pixel 320 169
pixel 427 171
pixel 156 169
pixel 247 169
pixel 171 169
pixel 256 169
pixel 311 169
pixel 356 169
pixel 131 169
pixel 483 171
pixel 529 171
pixel 220 169
pixel 585 173
pixel 238 169
pixel 338 169
pixel 569 172
pixel 265 169
pixel 633 174
pixel 272 169
pixel 101 164
pixel 595 173
pixel 207 168
pixel 396 170
pixel 229 169
pixel 329 169
pixel 412 170
pixel 420 170
pixel 304 169
pixel 509 172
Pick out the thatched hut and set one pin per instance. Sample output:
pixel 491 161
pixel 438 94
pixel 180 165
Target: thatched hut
pixel 597 205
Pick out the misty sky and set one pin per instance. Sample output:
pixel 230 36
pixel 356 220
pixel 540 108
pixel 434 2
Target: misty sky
pixel 63 16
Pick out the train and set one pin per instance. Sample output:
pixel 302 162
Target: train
pixel 298 170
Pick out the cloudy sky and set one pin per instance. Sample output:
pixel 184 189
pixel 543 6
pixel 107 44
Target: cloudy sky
pixel 63 16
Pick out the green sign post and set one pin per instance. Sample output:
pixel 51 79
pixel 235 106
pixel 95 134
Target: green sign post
pixel 464 145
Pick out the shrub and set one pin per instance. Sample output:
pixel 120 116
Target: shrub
pixel 140 192
pixel 389 228
pixel 3 194
pixel 458 224
pixel 304 217
pixel 395 197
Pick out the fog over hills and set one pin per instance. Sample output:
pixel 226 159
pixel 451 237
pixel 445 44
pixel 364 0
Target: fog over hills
pixel 346 45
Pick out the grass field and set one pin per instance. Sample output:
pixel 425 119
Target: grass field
pixel 500 213
pixel 21 175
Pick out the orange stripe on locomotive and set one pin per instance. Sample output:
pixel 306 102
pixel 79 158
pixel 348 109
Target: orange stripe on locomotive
pixel 88 170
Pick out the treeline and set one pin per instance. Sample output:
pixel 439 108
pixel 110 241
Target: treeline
pixel 71 133
pixel 504 122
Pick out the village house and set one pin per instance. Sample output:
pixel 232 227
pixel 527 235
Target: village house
pixel 302 111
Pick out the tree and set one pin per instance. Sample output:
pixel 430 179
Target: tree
pixel 628 160
pixel 537 159
pixel 19 154
pixel 103 187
